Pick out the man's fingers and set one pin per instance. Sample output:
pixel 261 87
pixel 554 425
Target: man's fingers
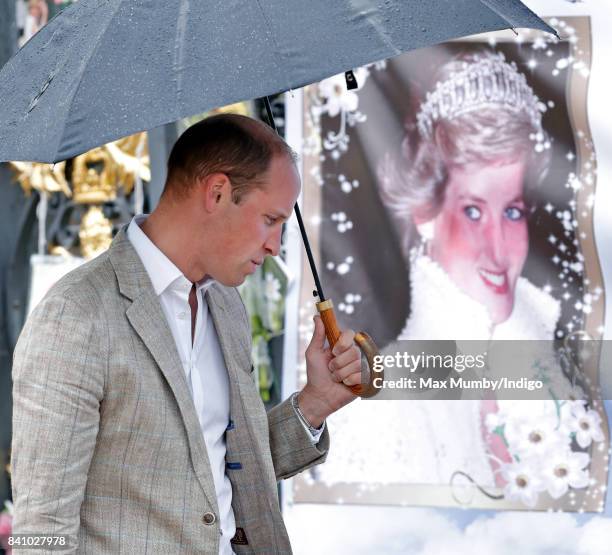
pixel 345 341
pixel 352 354
pixel 318 337
pixel 353 379
pixel 351 372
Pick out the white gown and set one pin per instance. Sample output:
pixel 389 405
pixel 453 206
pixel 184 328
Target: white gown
pixel 425 442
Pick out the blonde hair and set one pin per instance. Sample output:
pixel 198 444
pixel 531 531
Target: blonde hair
pixel 415 181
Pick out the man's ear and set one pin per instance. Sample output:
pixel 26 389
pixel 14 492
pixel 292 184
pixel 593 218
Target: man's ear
pixel 216 190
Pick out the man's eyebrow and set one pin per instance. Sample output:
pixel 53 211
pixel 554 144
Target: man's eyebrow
pixel 278 214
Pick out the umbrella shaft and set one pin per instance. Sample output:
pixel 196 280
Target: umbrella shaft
pixel 313 266
pixel 311 261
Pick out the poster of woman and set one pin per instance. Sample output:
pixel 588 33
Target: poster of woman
pixel 451 198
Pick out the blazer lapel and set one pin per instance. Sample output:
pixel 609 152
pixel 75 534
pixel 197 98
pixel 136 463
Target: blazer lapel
pixel 216 306
pixel 251 500
pixel 149 322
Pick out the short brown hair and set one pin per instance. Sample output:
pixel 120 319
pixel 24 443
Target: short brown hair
pixel 239 146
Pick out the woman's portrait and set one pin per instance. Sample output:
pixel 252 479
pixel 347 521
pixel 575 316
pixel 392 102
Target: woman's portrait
pixel 460 198
pixel 447 211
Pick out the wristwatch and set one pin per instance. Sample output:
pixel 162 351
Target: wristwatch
pixel 294 403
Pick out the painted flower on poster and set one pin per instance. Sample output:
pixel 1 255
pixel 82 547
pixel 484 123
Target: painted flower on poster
pixel 534 438
pixel 523 481
pixel 546 449
pixel 535 434
pixel 565 469
pixel 334 99
pixel 585 424
pixel 336 95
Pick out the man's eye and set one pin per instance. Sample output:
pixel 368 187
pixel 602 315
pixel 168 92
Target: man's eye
pixel 270 220
pixel 513 213
pixel 472 212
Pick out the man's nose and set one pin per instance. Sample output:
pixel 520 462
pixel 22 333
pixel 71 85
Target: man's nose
pixel 273 242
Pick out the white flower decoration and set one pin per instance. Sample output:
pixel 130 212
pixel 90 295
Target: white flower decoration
pixel 565 469
pixel 260 353
pixel 272 288
pixel 527 410
pixel 586 425
pixel 535 436
pixel 566 414
pixel 523 482
pixel 337 97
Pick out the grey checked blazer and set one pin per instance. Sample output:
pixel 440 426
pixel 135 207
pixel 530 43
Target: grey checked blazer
pixel 107 445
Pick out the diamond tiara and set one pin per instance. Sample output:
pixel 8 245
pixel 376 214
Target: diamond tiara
pixel 487 82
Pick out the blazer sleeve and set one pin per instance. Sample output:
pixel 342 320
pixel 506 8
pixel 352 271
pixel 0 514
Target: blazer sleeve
pixel 58 383
pixel 290 444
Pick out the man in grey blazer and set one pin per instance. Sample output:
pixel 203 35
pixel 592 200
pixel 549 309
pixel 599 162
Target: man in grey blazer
pixel 137 423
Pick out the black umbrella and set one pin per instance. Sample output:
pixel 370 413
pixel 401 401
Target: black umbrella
pixel 104 69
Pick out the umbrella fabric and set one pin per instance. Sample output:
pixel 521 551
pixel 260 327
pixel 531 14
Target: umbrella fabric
pixel 104 69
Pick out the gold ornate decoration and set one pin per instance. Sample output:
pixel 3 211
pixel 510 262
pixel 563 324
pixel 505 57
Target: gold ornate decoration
pixel 96 177
pixel 95 233
pixel 48 178
pixel 92 179
pixel 58 250
pixel 97 174
pixel 240 108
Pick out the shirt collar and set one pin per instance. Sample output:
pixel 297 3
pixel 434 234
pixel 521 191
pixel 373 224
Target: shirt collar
pixel 162 271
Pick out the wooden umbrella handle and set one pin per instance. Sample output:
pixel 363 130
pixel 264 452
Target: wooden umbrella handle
pixel 364 342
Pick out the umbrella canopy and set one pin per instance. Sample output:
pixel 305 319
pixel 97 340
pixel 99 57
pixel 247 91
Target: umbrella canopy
pixel 104 69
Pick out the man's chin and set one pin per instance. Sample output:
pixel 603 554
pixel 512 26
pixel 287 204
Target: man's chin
pixel 237 279
pixel 232 282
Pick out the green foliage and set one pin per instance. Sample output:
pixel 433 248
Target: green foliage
pixel 263 294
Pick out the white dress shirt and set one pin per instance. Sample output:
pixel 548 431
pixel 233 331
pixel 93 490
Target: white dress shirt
pixel 202 361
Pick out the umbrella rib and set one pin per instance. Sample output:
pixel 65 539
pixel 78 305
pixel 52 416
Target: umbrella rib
pixel 94 50
pixel 180 47
pixel 268 25
pixel 497 12
pixel 278 51
pixel 513 24
pixel 379 28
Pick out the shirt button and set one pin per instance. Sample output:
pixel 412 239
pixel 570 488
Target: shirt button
pixel 182 315
pixel 209 518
